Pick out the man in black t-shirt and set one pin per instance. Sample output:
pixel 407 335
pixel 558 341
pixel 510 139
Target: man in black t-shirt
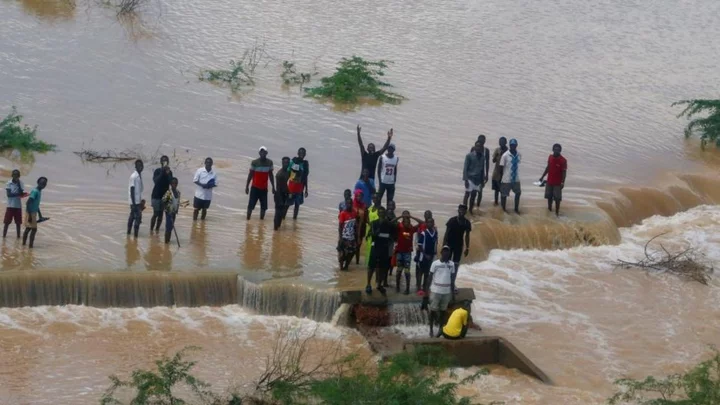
pixel 457 236
pixel 370 157
pixel 383 234
pixel 161 178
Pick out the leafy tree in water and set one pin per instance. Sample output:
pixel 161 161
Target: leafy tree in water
pixel 356 78
pixel 699 386
pixel 708 127
pixel 157 387
pixel 14 135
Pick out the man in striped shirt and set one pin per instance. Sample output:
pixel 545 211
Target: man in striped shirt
pixel 261 171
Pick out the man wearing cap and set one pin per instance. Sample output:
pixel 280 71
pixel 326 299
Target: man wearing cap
pixel 442 286
pixel 387 173
pixel 510 167
pixel 261 170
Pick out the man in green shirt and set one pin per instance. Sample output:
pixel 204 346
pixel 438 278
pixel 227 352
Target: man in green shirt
pixel 33 212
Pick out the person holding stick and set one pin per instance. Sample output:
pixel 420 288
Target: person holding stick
pixel 171 202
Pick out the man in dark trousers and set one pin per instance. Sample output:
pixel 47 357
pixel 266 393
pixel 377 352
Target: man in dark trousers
pixel 387 174
pixel 383 232
pixel 497 171
pixel 135 190
pixel 475 173
pixel 298 174
pixel 282 195
pixel 510 166
pixel 457 237
pixel 556 170
pixel 14 190
pixel 261 171
pixel 161 177
pixel 370 157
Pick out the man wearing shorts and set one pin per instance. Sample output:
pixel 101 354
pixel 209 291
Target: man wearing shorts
pixel 442 287
pixel 457 324
pixel 14 189
pixel 383 233
pixel 475 172
pixel 556 170
pixel 261 171
pixel 161 178
pixel 205 180
pixel 510 165
pixel 33 212
pixel 298 173
pixel 404 248
pixel 497 171
pixel 457 237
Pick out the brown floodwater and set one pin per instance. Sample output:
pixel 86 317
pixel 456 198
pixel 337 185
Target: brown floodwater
pixel 597 77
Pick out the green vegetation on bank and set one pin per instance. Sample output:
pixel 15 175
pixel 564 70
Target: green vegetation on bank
pixel 15 135
pixel 699 386
pixel 419 377
pixel 708 127
pixel 355 79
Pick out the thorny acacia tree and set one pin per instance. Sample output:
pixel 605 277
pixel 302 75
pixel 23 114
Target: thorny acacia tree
pixel 708 127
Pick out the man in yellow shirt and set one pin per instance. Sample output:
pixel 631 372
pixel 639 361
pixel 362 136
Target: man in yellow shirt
pixel 457 324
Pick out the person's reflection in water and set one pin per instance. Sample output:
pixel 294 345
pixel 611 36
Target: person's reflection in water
pixel 158 255
pixel 198 243
pixel 132 252
pixel 286 253
pixel 251 249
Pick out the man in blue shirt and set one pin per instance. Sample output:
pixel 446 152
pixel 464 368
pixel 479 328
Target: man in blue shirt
pixel 33 212
pixel 14 189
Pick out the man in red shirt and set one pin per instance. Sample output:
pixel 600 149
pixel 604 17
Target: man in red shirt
pixel 261 171
pixel 404 248
pixel 556 171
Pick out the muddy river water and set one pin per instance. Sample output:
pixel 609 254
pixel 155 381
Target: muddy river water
pixel 597 77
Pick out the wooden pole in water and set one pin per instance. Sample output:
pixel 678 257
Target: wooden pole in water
pixel 176 235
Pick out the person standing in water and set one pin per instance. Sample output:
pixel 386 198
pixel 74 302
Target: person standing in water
pixel 427 250
pixel 510 166
pixel 161 178
pixel 366 186
pixel 457 237
pixel 299 170
pixel 261 171
pixel 387 174
pixel 497 171
pixel 383 233
pixel 205 179
pixel 282 194
pixel 347 195
pixel 348 234
pixel 556 171
pixel 33 212
pixel 372 216
pixel 475 169
pixel 135 190
pixel 171 203
pixel 370 157
pixel 14 190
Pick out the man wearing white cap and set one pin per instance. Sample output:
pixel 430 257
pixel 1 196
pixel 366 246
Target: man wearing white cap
pixel 261 170
pixel 510 167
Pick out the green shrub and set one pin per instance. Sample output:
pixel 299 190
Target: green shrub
pixel 354 79
pixel 291 77
pixel 14 135
pixel 708 127
pixel 699 386
pixel 241 72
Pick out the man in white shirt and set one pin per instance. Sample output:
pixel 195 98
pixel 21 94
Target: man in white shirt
pixel 510 167
pixel 387 173
pixel 205 179
pixel 442 288
pixel 135 190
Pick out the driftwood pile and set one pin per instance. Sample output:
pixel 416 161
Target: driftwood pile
pixel 687 264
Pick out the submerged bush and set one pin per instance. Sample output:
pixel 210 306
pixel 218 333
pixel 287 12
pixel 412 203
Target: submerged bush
pixel 699 386
pixel 355 78
pixel 291 76
pixel 14 135
pixel 707 127
pixel 241 72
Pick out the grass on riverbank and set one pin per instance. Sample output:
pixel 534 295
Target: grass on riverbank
pixel 15 135
pixel 355 79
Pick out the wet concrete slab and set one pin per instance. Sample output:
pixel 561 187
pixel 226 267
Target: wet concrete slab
pixel 392 297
